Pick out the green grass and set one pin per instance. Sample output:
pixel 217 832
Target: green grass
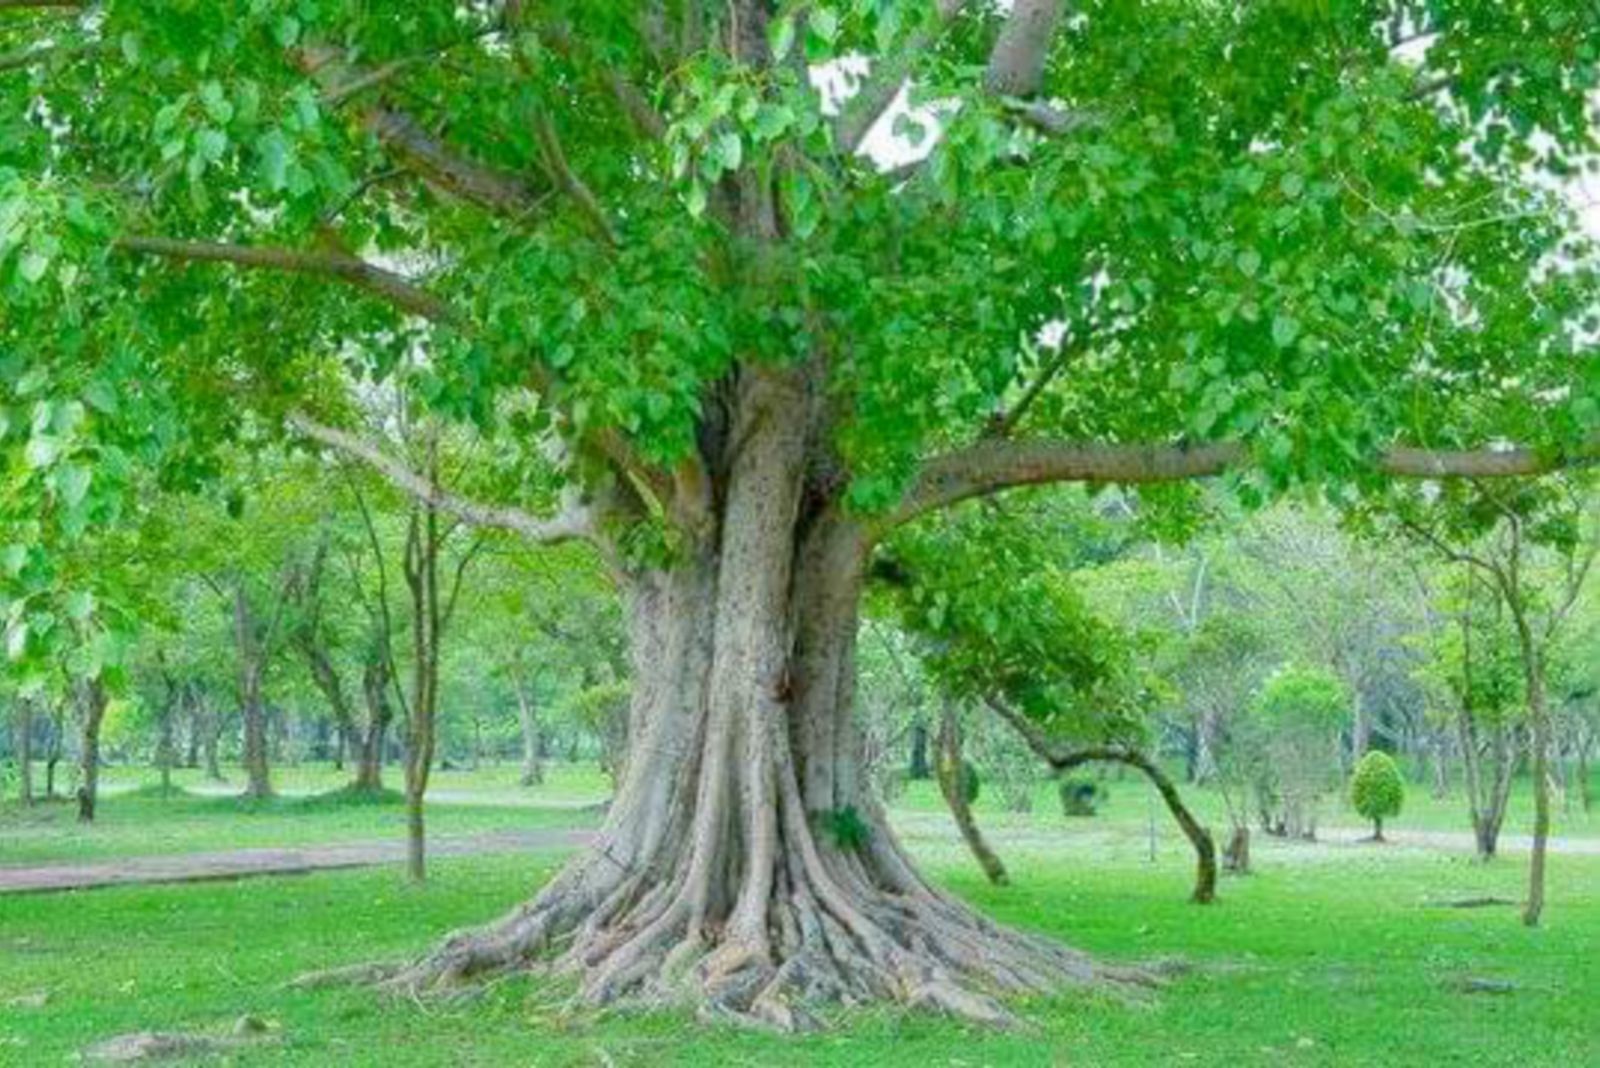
pixel 142 821
pixel 1131 801
pixel 1328 956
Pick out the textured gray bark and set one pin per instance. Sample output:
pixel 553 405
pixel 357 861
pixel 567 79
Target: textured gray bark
pixel 92 702
pixel 743 867
pixel 24 737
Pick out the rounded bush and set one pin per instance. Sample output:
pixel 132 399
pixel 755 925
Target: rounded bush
pixel 1377 789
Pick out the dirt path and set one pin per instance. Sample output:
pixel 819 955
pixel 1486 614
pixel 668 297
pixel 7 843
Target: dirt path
pixel 1458 841
pixel 247 863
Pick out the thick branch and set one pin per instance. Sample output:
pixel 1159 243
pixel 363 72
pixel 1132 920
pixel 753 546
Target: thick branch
pixel 352 269
pixel 1205 848
pixel 1016 65
pixel 567 526
pixel 862 111
pixel 411 145
pixel 990 466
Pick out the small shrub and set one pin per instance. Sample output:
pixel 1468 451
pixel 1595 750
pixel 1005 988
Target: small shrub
pixel 1081 797
pixel 1377 790
pixel 846 828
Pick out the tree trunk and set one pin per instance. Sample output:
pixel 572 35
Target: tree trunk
pixel 532 743
pixel 375 688
pixel 252 709
pixel 1540 718
pixel 1237 856
pixel 24 734
pixel 951 768
pixel 742 866
pixel 1377 829
pixel 92 707
pixel 918 769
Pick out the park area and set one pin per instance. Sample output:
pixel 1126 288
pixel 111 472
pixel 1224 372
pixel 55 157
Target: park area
pixel 1332 953
pixel 928 532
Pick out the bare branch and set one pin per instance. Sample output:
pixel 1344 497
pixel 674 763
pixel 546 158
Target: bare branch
pixel 567 526
pixel 378 281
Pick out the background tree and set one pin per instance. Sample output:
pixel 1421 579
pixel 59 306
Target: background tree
pixel 1377 790
pixel 651 264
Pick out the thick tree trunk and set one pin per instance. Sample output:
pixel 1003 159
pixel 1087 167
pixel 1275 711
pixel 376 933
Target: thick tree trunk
pixel 92 707
pixel 742 867
pixel 951 767
pixel 24 734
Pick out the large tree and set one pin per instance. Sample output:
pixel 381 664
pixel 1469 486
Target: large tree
pixel 637 244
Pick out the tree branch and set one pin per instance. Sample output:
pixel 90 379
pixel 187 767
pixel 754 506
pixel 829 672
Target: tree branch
pixel 991 465
pixel 861 112
pixel 405 139
pixel 1016 64
pixel 568 526
pixel 27 57
pixel 378 281
pixel 561 171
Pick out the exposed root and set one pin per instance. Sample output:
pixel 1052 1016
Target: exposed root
pixel 921 950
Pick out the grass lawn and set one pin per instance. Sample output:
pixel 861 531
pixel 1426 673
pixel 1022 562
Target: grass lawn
pixel 134 818
pixel 1328 956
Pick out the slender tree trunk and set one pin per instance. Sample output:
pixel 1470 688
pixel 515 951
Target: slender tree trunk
pixel 1539 715
pixel 1377 829
pixel 252 708
pixel 532 742
pixel 52 755
pixel 918 769
pixel 951 767
pixel 24 734
pixel 191 756
pixel 92 706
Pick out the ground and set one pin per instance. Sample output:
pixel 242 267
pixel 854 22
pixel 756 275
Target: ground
pixel 1330 955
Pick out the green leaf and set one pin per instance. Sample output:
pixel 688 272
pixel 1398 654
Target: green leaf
pixel 824 22
pixel 101 397
pixel 1285 328
pixel 1249 261
pixel 42 451
pixel 73 482
pixel 274 150
pixel 33 265
pixel 730 151
pixel 780 37
pixel 13 558
pixel 80 604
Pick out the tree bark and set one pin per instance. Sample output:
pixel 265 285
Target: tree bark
pixel 24 735
pixel 532 742
pixel 375 684
pixel 918 769
pixel 1205 847
pixel 743 867
pixel 1539 716
pixel 252 708
pixel 951 767
pixel 92 707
